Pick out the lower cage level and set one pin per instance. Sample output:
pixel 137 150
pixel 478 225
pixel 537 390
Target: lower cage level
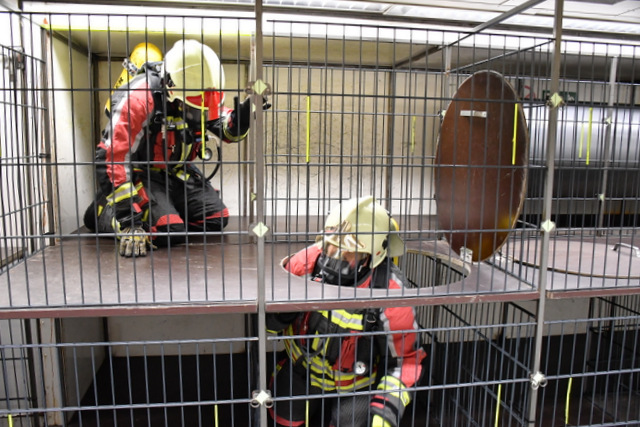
pixel 478 376
pixel 481 351
pixel 479 366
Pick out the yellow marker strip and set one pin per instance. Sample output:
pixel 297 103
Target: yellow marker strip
pixel 589 134
pixel 10 418
pixel 306 414
pixel 515 133
pixel 202 127
pixel 566 409
pixel 396 227
pixel 413 134
pixel 215 415
pixel 308 127
pixel 498 405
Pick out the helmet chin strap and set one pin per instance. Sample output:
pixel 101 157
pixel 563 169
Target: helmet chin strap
pixel 338 272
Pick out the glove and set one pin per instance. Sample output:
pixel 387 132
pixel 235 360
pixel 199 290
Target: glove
pixel 133 242
pixel 240 117
pixel 265 104
pixel 387 408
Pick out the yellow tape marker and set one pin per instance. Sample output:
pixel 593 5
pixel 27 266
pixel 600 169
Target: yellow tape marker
pixel 308 128
pixel 10 418
pixel 515 133
pixel 498 405
pixel 396 227
pixel 306 414
pixel 581 141
pixel 589 134
pixel 566 409
pixel 413 134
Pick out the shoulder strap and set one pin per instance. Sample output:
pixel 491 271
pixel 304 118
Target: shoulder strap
pixel 153 70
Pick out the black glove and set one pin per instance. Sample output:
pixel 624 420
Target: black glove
pixel 265 104
pixel 240 117
pixel 128 213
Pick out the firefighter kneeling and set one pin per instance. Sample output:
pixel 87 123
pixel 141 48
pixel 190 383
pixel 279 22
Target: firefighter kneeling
pixel 370 358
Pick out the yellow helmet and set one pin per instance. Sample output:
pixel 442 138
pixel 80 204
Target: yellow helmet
pixel 362 225
pixel 142 53
pixel 194 70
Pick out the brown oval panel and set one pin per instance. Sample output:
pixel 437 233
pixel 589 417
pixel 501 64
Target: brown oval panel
pixel 481 174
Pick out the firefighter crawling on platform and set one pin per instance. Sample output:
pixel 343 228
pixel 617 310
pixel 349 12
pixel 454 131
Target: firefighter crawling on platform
pixel 148 184
pixel 367 358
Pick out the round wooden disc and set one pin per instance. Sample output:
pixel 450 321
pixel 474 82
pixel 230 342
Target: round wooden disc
pixel 481 174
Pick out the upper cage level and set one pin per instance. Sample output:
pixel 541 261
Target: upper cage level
pixel 354 109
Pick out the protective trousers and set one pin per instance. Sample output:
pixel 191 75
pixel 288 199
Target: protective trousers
pixel 350 410
pixel 172 205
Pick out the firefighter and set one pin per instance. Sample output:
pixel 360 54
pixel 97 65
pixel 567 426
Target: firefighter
pixel 150 191
pixel 372 357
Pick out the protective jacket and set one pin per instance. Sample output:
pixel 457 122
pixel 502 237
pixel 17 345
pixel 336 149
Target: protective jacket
pixel 388 358
pixel 147 132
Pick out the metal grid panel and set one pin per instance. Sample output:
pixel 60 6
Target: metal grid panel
pixel 592 366
pixel 185 382
pixel 27 203
pixel 16 375
pixel 72 266
pixel 483 354
pixel 358 112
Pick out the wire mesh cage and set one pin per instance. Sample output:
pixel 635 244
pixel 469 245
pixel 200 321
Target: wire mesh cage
pixel 505 161
pixel 447 130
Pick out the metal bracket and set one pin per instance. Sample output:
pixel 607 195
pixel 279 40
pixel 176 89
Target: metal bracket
pixel 259 229
pixel 473 113
pixel 538 380
pixel 14 61
pixel 555 101
pixel 261 397
pixel 466 255
pixel 634 249
pixel 548 226
pixel 259 87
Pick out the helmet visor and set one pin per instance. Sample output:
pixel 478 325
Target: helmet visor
pixel 210 102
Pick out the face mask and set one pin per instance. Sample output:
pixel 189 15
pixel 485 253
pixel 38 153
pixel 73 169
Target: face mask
pixel 339 272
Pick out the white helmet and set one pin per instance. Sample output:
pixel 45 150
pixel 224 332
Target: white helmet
pixel 197 77
pixel 362 225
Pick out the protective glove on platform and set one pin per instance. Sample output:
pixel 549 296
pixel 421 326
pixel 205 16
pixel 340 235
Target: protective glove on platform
pixel 134 242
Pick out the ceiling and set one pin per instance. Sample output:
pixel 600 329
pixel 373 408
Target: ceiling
pixel 609 20
pixel 620 17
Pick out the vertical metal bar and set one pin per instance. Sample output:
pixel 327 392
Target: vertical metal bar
pixel 607 143
pixel 548 194
pixel 260 169
pixel 47 154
